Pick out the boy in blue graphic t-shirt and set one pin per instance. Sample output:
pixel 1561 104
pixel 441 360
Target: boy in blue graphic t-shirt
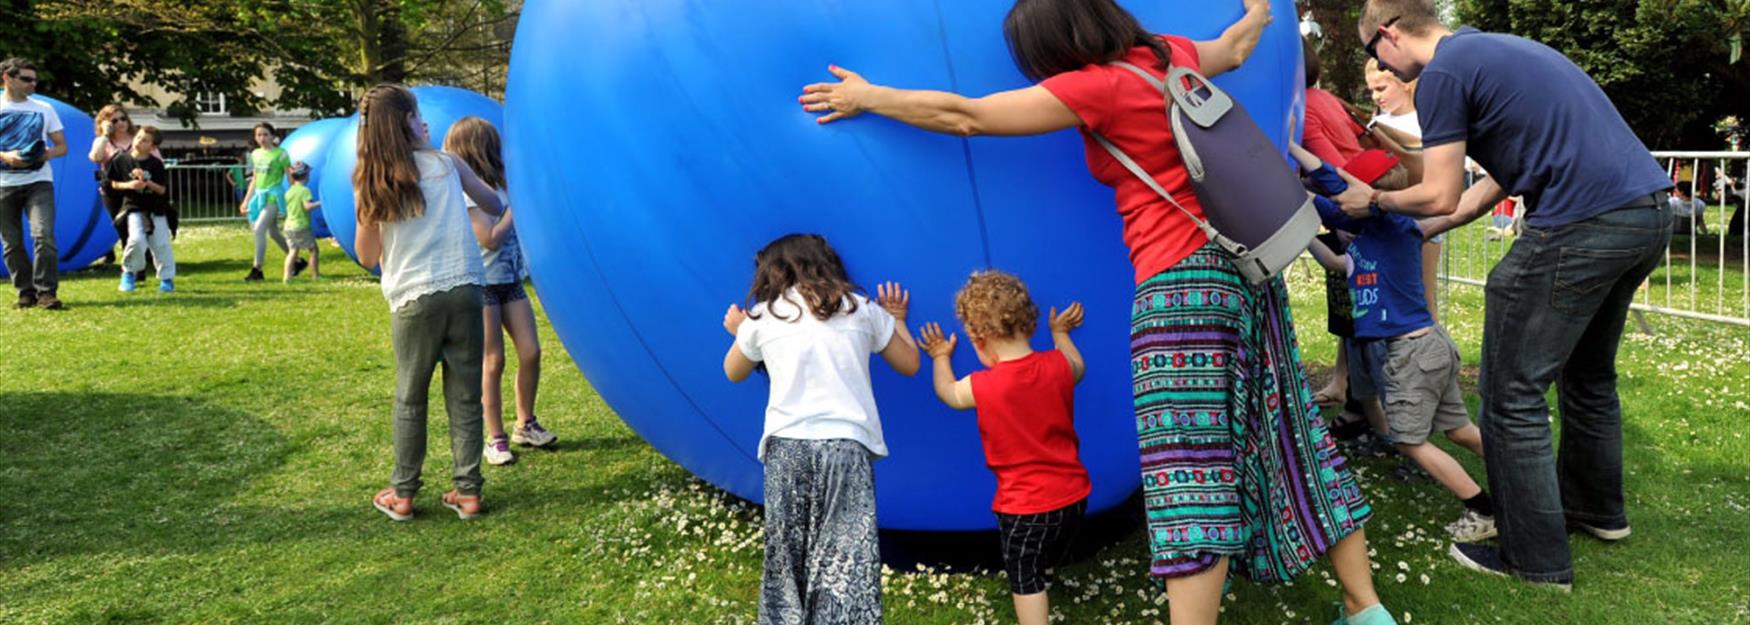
pixel 1402 366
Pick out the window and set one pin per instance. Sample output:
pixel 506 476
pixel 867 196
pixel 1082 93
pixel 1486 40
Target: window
pixel 208 103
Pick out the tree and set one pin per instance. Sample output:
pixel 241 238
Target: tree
pixel 322 52
pixel 1667 64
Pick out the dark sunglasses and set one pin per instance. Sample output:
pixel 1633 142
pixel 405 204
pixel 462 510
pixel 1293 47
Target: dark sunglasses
pixel 29 80
pixel 1372 46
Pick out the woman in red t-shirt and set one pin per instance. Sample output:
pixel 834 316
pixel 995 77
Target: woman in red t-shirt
pixel 1238 471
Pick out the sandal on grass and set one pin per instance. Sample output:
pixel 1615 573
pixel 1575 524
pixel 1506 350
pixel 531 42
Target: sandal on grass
pixel 466 506
pixel 397 508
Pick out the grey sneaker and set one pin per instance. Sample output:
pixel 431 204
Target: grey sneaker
pixel 1606 534
pixel 498 452
pixel 1472 527
pixel 532 435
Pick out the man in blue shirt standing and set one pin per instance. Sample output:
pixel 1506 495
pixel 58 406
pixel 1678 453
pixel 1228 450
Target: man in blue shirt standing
pixel 1597 224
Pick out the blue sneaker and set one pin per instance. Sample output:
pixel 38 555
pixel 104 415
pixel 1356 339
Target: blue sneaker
pixel 1376 615
pixel 166 286
pixel 127 285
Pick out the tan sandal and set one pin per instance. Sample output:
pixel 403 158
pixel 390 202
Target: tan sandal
pixel 396 507
pixel 466 506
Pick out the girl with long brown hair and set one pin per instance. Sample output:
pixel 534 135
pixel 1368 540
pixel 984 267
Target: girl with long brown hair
pixel 507 309
pixel 412 222
pixel 813 330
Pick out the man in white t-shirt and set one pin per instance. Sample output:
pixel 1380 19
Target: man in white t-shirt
pixel 30 137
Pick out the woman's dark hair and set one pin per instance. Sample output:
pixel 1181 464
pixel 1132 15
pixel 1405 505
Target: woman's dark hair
pixel 1050 37
pixel 1314 69
pixel 807 263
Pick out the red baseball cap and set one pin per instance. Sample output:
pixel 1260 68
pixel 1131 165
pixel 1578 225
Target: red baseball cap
pixel 1370 165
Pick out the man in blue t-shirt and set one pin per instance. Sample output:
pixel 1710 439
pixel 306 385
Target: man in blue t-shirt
pixel 1597 223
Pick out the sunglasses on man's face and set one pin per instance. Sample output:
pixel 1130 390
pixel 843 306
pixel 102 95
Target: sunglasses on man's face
pixel 1372 46
pixel 29 80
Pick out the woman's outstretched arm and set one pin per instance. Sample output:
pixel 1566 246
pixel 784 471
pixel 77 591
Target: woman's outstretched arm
pixel 1027 111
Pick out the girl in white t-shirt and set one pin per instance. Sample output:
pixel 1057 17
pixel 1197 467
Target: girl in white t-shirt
pixel 813 332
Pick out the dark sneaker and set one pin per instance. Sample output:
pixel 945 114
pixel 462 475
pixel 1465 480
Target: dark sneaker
pixel 48 301
pixel 254 275
pixel 299 267
pixel 1607 534
pixel 26 300
pixel 1486 559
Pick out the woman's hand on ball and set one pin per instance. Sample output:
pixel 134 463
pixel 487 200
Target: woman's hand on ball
pixel 846 98
pixel 732 319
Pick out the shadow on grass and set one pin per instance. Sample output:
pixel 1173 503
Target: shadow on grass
pixel 104 472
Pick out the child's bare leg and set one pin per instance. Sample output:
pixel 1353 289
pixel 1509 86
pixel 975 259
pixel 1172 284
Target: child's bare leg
pixel 1444 468
pixel 291 261
pixel 1034 609
pixel 519 320
pixel 1468 437
pixel 315 262
pixel 1338 388
pixel 492 373
pixel 1375 416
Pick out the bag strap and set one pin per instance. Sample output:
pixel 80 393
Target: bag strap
pixel 1130 164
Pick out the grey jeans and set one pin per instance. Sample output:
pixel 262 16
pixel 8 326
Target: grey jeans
pixel 444 326
pixel 38 200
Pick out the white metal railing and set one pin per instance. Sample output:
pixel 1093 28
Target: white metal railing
pixel 1706 273
pixel 207 192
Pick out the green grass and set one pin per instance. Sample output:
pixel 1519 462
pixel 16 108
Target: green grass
pixel 207 457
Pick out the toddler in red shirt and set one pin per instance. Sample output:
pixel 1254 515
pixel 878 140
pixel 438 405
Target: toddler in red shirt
pixel 1026 417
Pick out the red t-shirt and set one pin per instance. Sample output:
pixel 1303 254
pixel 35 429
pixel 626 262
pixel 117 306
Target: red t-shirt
pixel 1329 134
pixel 1120 105
pixel 1026 416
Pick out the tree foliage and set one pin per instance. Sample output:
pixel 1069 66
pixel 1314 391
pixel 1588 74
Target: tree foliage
pixel 321 52
pixel 1667 64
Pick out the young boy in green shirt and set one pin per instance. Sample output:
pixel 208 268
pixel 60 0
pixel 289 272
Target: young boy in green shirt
pixel 299 203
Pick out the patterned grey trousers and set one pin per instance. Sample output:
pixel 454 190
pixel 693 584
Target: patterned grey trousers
pixel 823 566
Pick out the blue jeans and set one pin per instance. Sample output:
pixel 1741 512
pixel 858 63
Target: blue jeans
pixel 34 202
pixel 1555 308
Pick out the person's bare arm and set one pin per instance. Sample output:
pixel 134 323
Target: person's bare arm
pixel 1025 111
pixel 1476 202
pixel 1237 42
pixel 901 352
pixel 368 241
pixel 1437 195
pixel 1327 257
pixel 484 196
pixel 957 394
pixel 1061 325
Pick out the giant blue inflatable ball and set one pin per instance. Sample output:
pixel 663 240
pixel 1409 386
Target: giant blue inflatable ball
pixel 82 229
pixel 440 106
pixel 309 143
pixel 655 145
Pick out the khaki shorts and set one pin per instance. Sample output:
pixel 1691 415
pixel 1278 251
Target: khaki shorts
pixel 300 239
pixel 1421 394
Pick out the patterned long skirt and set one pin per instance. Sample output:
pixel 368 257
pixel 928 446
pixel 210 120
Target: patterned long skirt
pixel 1235 459
pixel 823 564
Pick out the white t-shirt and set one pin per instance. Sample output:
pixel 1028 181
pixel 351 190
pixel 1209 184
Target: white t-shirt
pixel 1407 123
pixel 819 370
pixel 31 115
pixel 1687 208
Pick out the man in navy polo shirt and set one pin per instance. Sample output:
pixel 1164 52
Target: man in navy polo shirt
pixel 1597 224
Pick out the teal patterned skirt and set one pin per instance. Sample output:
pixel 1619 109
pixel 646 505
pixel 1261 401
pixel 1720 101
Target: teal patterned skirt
pixel 1236 462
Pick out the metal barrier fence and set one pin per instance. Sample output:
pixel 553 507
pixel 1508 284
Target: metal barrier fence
pixel 207 193
pixel 1706 273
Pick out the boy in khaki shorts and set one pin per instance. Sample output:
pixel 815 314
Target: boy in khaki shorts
pixel 1402 366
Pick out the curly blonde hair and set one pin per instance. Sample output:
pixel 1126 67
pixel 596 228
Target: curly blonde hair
pixel 995 305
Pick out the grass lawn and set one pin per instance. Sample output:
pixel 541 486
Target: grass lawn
pixel 207 457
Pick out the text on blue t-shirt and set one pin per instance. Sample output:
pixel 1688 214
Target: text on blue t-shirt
pixel 1386 256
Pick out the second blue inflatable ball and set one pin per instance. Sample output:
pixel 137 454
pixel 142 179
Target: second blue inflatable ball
pixel 440 106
